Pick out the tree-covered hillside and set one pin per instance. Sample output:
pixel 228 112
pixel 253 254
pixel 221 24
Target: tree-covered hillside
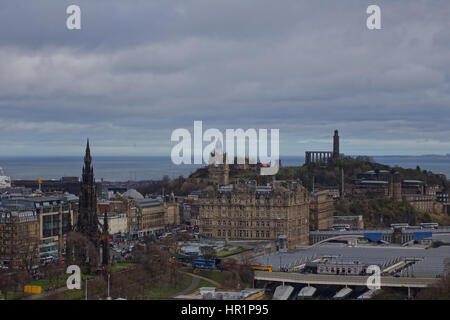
pixel 329 174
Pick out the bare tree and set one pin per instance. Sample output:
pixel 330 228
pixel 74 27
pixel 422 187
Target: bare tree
pixel 231 279
pixel 97 288
pixel 438 291
pixel 53 274
pixel 7 284
pixel 85 254
pixel 13 280
pixel 28 252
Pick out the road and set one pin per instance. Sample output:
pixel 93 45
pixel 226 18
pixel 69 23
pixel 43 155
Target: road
pixel 195 281
pixel 188 290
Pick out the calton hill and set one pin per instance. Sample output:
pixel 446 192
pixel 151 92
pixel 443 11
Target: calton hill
pixel 376 211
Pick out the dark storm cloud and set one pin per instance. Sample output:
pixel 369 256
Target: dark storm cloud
pixel 139 69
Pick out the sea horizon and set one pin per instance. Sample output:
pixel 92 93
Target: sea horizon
pixel 138 168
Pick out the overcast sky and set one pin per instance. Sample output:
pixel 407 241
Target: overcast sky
pixel 138 69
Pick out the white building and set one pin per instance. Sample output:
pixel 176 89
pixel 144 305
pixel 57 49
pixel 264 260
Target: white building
pixel 117 223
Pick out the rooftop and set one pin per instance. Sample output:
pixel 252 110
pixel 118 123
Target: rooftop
pixel 210 293
pixel 434 260
pixel 373 182
pixel 147 203
pixel 132 193
pixel 376 172
pixel 413 181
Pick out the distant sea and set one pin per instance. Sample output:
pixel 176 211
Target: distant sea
pixel 154 168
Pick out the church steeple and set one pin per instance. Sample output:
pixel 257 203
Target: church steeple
pixel 87 157
pixel 87 218
pixel 87 222
pixel 88 171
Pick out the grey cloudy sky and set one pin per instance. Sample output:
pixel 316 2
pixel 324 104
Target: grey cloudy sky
pixel 138 69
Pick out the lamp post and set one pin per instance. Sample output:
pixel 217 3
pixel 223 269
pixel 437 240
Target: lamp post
pixel 280 262
pixel 109 295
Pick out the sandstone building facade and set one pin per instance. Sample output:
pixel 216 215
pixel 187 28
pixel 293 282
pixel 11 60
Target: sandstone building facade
pixel 251 212
pixel 19 236
pixel 150 216
pixel 321 210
